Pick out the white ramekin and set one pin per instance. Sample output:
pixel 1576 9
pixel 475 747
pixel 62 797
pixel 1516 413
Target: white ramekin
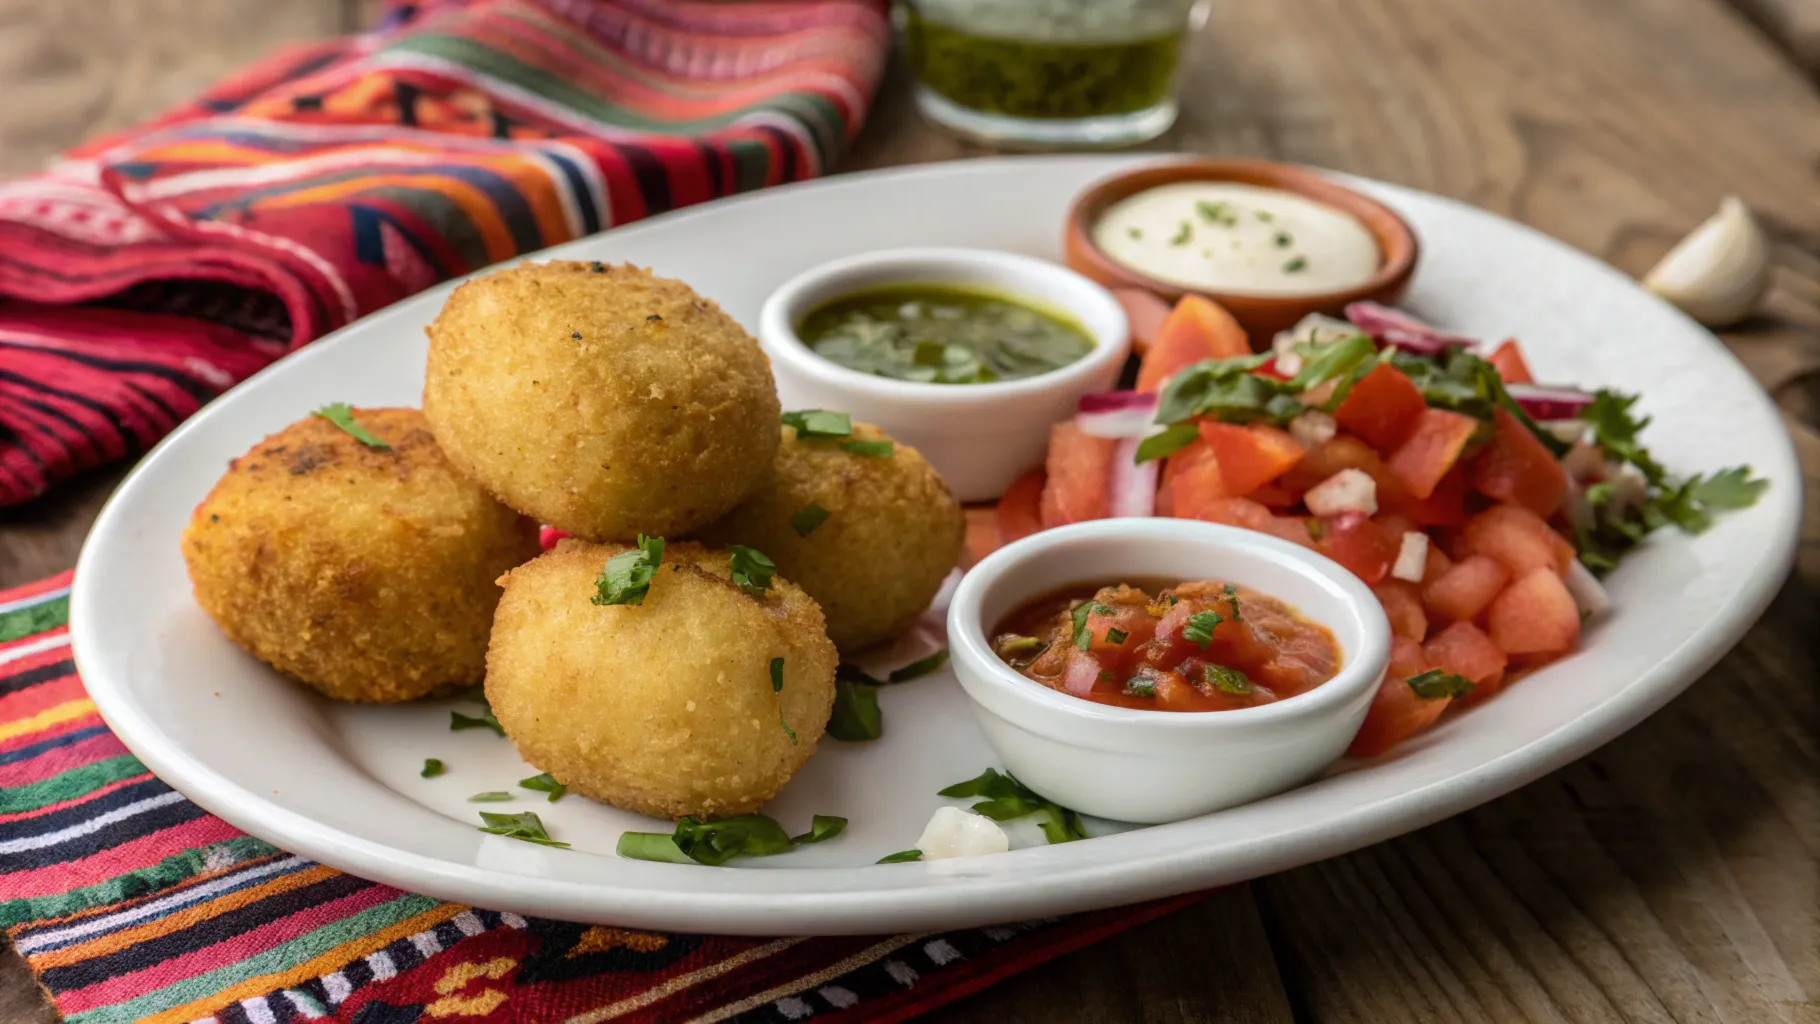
pixel 979 437
pixel 1157 766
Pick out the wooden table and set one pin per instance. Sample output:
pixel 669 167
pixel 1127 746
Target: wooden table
pixel 1673 875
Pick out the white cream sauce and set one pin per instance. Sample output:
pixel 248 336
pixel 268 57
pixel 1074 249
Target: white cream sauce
pixel 1243 239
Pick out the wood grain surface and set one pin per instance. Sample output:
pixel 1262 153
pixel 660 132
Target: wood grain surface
pixel 1674 875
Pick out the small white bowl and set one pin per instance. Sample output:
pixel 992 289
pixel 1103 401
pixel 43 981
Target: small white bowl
pixel 1158 766
pixel 979 437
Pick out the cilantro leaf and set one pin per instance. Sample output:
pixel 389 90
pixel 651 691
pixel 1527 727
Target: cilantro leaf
pixel 1199 628
pixel 1138 686
pixel 628 575
pixel 432 768
pixel 545 783
pixel 526 826
pixel 856 716
pixel 1435 684
pixel 819 423
pixel 1007 798
pixel 1171 440
pixel 808 518
pixel 1615 431
pixel 484 720
pixel 901 857
pixel 920 667
pixel 777 675
pixel 751 570
pixel 822 827
pixel 655 846
pixel 492 796
pixel 342 415
pixel 1227 680
pixel 1323 361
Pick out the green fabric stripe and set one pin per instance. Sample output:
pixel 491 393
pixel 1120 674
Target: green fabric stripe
pixel 68 785
pixel 35 618
pixel 488 61
pixel 179 867
pixel 281 958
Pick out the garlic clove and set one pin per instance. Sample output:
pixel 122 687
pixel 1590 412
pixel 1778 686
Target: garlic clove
pixel 1719 272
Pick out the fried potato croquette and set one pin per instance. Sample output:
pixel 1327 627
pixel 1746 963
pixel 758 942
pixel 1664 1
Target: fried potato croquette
pixel 603 400
pixel 666 707
pixel 366 573
pixel 891 533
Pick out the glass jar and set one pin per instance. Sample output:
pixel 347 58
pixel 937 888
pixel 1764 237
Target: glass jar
pixel 1049 73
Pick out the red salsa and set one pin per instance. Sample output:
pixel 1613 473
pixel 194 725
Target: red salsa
pixel 1198 646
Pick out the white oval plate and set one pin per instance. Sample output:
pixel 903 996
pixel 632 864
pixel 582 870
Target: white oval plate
pixel 340 783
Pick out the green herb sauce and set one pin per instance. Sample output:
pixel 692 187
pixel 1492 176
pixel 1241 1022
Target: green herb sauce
pixel 942 335
pixel 1042 78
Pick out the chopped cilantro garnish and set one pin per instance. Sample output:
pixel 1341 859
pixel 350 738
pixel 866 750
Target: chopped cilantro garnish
pixel 1295 265
pixel 1081 637
pixel 1137 686
pixel 545 783
pixel 1135 233
pixel 1284 239
pixel 1216 213
pixel 808 518
pixel 340 414
pixel 526 826
pixel 657 846
pixel 1227 680
pixel 1182 234
pixel 920 667
pixel 484 720
pixel 1007 798
pixel 856 716
pixel 901 857
pixel 819 423
pixel 822 827
pixel 627 576
pixel 869 449
pixel 716 842
pixel 777 675
pixel 1232 594
pixel 1199 628
pixel 751 570
pixel 597 267
pixel 1435 684
pixel 1115 637
pixel 432 768
pixel 492 796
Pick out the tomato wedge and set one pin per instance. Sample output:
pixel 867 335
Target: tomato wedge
pixel 1079 470
pixel 1510 364
pixel 1252 455
pixel 1197 328
pixel 1432 449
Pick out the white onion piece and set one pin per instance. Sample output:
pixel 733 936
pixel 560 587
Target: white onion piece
pixel 1288 362
pixel 1313 429
pixel 1131 491
pixel 1569 431
pixel 952 832
pixel 1080 673
pixel 1112 414
pixel 1589 596
pixel 1349 490
pixel 1412 557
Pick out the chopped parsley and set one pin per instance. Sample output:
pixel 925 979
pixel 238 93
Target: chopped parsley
pixel 1138 686
pixel 1227 680
pixel 432 768
pixel 627 576
pixel 1082 638
pixel 869 449
pixel 715 842
pixel 597 267
pixel 920 667
pixel 1216 213
pixel 808 518
pixel 819 423
pixel 1182 234
pixel 1006 798
pixel 545 783
pixel 856 716
pixel 653 317
pixel 901 857
pixel 752 571
pixel 342 415
pixel 1116 637
pixel 1199 628
pixel 1295 265
pixel 1435 684
pixel 1284 239
pixel 1135 233
pixel 525 825
pixel 1264 215
pixel 484 720
pixel 777 675
pixel 492 796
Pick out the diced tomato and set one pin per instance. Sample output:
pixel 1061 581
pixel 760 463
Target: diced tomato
pixel 1463 591
pixel 1535 615
pixel 1103 629
pixel 1355 542
pixel 1382 408
pixel 1398 712
pixel 1197 328
pixel 1464 649
pixel 1234 512
pixel 1274 495
pixel 1438 562
pixel 1145 313
pixel 1192 478
pixel 1445 507
pixel 1079 469
pixel 1324 460
pixel 1518 469
pixel 1431 450
pixel 1508 359
pixel 1252 455
pixel 1519 538
pixel 1403 605
pixel 1020 511
pixel 1294 529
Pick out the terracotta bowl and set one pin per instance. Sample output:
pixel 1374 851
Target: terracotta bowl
pixel 1261 315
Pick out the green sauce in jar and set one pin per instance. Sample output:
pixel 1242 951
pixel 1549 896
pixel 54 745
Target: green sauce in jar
pixel 942 334
pixel 1035 77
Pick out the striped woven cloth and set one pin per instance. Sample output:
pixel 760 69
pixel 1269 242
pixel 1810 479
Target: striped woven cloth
pixel 145 273
pixel 133 904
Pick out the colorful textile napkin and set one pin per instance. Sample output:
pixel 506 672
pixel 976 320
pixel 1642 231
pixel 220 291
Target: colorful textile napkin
pixel 146 273
pixel 133 904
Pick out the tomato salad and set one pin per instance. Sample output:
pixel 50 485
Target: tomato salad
pixel 1196 646
pixel 1480 506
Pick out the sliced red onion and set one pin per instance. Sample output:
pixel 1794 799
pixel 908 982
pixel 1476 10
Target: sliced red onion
pixel 1116 414
pixel 1548 401
pixel 1395 327
pixel 1589 596
pixel 548 536
pixel 1131 490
